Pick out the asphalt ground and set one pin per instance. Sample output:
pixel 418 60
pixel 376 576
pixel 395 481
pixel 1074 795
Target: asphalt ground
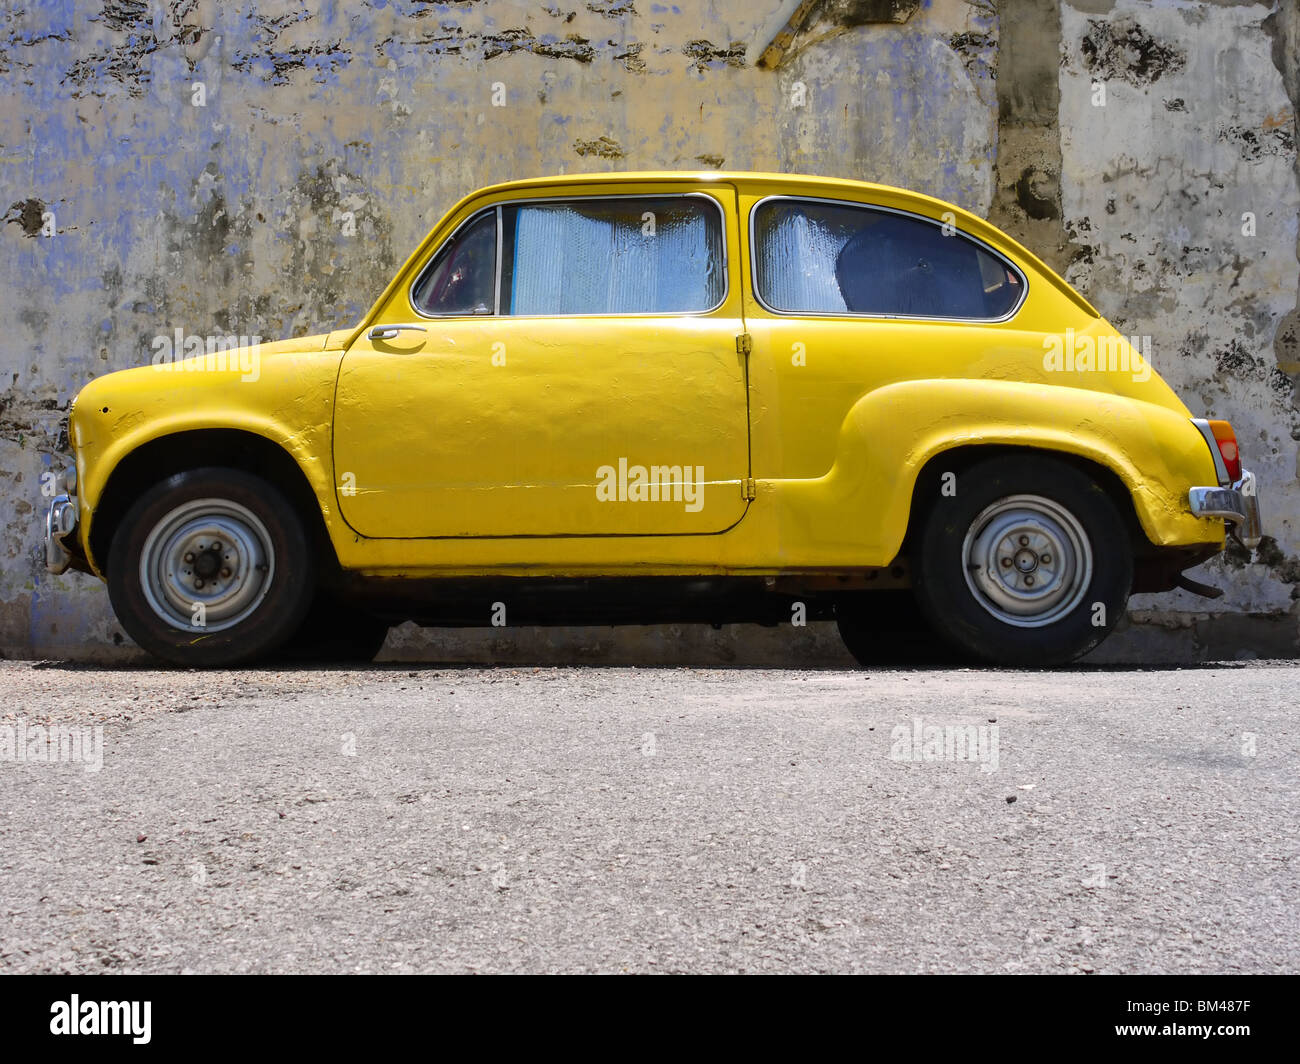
pixel 445 819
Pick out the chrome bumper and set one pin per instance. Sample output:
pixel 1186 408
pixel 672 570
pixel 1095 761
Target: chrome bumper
pixel 60 523
pixel 1238 505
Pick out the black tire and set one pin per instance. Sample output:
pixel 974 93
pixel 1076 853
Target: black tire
pixel 887 628
pixel 1020 604
pixel 249 567
pixel 335 631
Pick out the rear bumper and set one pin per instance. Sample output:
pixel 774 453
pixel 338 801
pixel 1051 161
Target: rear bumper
pixel 1237 504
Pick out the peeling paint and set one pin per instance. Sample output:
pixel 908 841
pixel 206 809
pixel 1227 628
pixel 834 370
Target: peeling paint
pixel 28 215
pixel 706 54
pixel 1256 143
pixel 572 46
pixel 601 147
pixel 1124 49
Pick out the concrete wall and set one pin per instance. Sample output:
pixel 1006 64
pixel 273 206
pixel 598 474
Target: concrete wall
pixel 331 136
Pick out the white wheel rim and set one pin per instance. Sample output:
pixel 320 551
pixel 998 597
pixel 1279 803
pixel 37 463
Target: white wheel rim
pixel 1027 561
pixel 207 565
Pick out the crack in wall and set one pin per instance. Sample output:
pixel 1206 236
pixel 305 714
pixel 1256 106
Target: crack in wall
pixel 705 54
pixel 573 46
pixel 813 20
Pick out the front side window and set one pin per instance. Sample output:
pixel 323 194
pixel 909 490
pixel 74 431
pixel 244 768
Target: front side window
pixel 622 255
pixel 462 277
pixel 829 258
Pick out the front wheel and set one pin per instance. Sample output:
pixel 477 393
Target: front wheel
pixel 1029 563
pixel 210 567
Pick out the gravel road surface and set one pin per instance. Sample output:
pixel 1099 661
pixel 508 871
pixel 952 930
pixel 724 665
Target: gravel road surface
pixel 403 818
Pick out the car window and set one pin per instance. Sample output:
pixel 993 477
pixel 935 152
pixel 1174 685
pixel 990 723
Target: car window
pixel 823 258
pixel 623 255
pixel 461 279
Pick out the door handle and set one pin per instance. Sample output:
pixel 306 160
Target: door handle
pixel 387 332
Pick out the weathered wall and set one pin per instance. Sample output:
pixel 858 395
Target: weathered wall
pixel 331 135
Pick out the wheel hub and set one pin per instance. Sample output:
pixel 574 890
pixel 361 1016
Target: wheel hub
pixel 1026 561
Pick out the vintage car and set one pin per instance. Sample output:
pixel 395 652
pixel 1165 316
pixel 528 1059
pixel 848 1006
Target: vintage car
pixel 660 397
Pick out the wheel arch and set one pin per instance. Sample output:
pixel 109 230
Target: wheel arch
pixel 926 489
pixel 165 456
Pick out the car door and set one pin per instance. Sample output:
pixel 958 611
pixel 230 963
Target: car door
pixel 562 366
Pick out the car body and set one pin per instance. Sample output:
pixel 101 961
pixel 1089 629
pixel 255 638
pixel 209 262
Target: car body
pixel 650 396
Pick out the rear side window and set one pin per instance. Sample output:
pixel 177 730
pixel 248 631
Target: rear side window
pixel 824 258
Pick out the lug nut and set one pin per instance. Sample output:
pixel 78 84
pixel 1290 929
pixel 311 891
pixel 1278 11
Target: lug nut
pixel 1029 581
pixel 1006 563
pixel 1047 559
pixel 198 584
pixel 225 572
pixel 216 544
pixel 1024 541
pixel 189 557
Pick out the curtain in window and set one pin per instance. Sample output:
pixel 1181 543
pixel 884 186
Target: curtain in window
pixel 575 261
pixel 797 257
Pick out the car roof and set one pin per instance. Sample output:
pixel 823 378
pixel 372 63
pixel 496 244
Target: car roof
pixel 742 178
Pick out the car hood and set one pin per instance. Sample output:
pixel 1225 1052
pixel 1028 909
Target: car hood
pixel 230 377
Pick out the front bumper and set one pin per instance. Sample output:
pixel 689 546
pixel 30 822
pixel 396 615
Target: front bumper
pixel 60 526
pixel 1237 504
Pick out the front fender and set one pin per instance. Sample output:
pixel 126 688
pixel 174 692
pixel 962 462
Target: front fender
pixel 290 404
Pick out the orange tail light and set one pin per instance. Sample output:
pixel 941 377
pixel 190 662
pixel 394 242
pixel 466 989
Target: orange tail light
pixel 1227 441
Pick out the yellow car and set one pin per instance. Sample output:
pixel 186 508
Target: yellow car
pixel 647 397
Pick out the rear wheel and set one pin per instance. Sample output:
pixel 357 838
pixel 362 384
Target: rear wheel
pixel 1030 563
pixel 210 567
